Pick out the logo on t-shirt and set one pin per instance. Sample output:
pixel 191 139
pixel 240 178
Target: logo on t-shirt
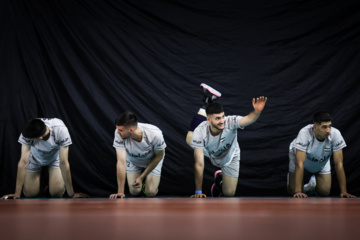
pixel 319 160
pixel 223 139
pixel 59 142
pixel 139 155
pixel 302 144
pixel 221 150
pixel 162 143
pixel 339 143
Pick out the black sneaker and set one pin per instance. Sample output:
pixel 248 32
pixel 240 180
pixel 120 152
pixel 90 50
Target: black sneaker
pixel 216 188
pixel 210 94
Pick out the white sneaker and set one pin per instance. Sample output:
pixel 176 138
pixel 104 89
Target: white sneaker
pixel 310 187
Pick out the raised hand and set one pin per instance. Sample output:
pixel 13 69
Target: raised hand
pixel 259 103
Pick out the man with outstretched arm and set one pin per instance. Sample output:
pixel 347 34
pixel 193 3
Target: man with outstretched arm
pixel 217 138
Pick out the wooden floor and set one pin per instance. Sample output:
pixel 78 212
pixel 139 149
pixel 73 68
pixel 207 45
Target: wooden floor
pixel 180 218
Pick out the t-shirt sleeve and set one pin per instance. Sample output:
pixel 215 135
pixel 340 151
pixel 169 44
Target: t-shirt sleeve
pixel 62 137
pixel 233 122
pixel 118 141
pixel 198 139
pixel 338 141
pixel 159 142
pixel 302 140
pixel 25 141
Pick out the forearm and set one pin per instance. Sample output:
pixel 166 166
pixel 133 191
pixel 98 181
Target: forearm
pixel 299 175
pixel 20 177
pixel 153 163
pixel 254 115
pixel 65 171
pixel 199 172
pixel 250 118
pixel 121 175
pixel 340 173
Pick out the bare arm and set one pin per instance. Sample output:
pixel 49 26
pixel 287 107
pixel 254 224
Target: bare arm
pixel 65 170
pixel 258 105
pixel 21 172
pixel 340 173
pixel 158 155
pixel 299 173
pixel 120 173
pixel 66 173
pixel 199 171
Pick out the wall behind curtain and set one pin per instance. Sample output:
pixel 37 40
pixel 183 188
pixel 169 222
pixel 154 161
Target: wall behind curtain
pixel 86 61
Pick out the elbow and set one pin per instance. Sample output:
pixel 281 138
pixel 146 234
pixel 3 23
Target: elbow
pixel 339 166
pixel 121 165
pixel 64 164
pixel 23 163
pixel 199 165
pixel 299 166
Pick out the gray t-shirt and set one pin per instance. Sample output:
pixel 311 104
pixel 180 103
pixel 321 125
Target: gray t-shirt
pixel 44 152
pixel 317 153
pixel 140 153
pixel 221 148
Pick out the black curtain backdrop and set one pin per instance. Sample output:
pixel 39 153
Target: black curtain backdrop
pixel 86 61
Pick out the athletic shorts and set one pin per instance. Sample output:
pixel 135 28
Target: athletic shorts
pixel 325 170
pixel 133 168
pixel 233 168
pixel 35 167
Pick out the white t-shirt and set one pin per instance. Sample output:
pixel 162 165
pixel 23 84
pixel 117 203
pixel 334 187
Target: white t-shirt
pixel 44 152
pixel 221 148
pixel 317 153
pixel 140 153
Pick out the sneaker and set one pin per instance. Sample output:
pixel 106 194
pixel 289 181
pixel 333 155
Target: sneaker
pixel 210 94
pixel 143 190
pixel 216 188
pixel 310 187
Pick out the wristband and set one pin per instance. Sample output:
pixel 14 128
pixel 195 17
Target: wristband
pixel 198 191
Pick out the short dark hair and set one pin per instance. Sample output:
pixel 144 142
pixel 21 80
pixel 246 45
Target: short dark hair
pixel 214 107
pixel 321 116
pixel 126 119
pixel 34 128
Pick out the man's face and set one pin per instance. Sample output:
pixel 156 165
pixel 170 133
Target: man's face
pixel 322 131
pixel 217 120
pixel 125 132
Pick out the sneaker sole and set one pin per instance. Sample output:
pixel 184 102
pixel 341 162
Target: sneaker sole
pixel 216 173
pixel 210 89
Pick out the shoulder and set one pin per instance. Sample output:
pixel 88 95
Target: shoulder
pixel 335 134
pixel 335 131
pixel 55 122
pixel 151 132
pixel 305 135
pixel 232 121
pixel 308 130
pixel 149 128
pixel 59 128
pixel 201 128
pixel 57 125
